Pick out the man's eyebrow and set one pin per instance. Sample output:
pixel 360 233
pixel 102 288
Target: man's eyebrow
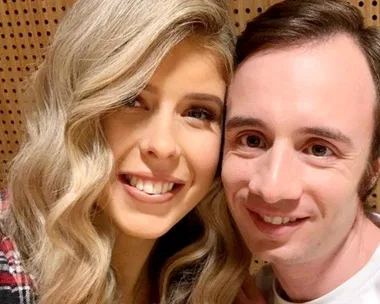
pixel 328 133
pixel 243 121
pixel 205 97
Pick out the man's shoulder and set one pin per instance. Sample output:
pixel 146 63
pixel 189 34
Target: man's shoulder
pixel 363 287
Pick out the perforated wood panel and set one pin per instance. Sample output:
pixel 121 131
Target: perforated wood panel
pixel 27 26
pixel 243 10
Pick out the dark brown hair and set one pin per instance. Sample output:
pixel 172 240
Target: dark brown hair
pixel 293 23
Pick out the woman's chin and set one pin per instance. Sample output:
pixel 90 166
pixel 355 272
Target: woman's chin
pixel 145 231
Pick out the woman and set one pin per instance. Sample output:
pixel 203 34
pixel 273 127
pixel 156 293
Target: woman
pixel 122 144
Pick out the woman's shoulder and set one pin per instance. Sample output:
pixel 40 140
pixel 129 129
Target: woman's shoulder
pixel 4 201
pixel 16 286
pixel 4 206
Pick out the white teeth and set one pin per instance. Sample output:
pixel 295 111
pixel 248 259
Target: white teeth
pixel 133 181
pixel 139 184
pixel 150 187
pixel 267 219
pixel 277 220
pixel 157 188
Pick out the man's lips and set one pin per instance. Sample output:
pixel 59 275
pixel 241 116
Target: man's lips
pixel 276 226
pixel 280 220
pixel 275 216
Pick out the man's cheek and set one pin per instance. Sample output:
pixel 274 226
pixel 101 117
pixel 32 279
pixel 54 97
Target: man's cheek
pixel 229 175
pixel 234 177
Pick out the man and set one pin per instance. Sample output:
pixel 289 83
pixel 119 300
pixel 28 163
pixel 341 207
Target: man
pixel 302 151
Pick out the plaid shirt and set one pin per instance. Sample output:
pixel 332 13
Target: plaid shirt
pixel 16 286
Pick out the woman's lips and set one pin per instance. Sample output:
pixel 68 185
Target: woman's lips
pixel 147 190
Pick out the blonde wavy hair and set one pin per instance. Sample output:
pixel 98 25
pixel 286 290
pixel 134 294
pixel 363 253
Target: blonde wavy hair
pixel 103 53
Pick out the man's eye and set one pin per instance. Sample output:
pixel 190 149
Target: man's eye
pixel 319 151
pixel 201 114
pixel 253 141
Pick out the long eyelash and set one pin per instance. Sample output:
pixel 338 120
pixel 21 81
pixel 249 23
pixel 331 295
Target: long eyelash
pixel 211 114
pixel 127 102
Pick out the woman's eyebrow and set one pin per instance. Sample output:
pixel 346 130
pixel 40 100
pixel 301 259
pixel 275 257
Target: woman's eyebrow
pixel 192 96
pixel 205 97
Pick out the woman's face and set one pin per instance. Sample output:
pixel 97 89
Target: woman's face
pixel 166 144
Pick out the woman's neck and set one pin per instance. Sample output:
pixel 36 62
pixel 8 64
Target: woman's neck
pixel 129 261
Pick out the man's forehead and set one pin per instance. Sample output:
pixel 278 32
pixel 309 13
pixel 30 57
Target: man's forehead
pixel 335 68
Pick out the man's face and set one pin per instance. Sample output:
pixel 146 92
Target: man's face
pixel 298 134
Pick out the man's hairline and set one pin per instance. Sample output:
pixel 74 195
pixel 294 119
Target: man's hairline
pixel 301 43
pixel 310 42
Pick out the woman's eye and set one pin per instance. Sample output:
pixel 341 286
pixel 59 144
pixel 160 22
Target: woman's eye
pixel 201 114
pixel 132 103
pixel 253 141
pixel 319 151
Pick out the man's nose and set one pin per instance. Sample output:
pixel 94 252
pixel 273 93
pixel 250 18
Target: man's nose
pixel 276 175
pixel 159 140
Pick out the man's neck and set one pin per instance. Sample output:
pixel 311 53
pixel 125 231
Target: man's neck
pixel 308 281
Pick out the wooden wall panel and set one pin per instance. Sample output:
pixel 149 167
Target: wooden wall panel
pixel 27 26
pixel 243 10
